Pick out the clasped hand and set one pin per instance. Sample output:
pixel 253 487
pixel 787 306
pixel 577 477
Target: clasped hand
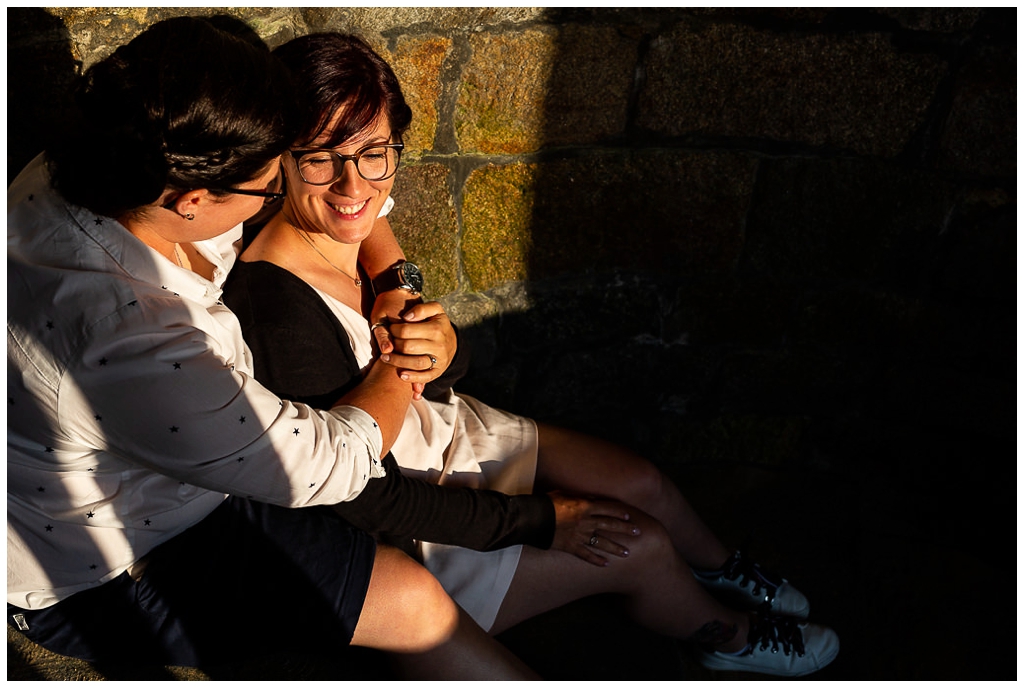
pixel 415 337
pixel 591 529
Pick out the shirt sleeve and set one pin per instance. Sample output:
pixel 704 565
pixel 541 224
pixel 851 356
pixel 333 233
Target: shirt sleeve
pixel 397 509
pixel 156 389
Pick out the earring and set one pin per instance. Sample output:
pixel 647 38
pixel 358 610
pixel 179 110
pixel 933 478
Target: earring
pixel 189 216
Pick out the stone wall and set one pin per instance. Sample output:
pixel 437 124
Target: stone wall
pixel 754 242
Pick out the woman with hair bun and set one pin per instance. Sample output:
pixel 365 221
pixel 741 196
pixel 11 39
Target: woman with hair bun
pixel 162 506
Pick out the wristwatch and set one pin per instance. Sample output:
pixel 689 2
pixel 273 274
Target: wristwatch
pixel 401 275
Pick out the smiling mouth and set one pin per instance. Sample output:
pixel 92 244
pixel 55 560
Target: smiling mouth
pixel 347 209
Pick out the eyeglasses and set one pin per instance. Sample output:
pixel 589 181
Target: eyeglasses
pixel 268 196
pixel 323 166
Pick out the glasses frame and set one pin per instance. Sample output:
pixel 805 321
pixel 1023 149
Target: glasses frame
pixel 299 152
pixel 268 196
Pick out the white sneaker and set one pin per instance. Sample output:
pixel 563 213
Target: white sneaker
pixel 779 646
pixel 744 582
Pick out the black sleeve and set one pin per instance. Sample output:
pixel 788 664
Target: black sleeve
pixel 301 353
pixel 398 508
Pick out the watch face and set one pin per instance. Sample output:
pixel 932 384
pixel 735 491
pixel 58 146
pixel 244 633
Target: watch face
pixel 413 277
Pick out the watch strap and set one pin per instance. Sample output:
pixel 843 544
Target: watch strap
pixel 392 278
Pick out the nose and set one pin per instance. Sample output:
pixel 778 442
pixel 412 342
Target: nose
pixel 349 183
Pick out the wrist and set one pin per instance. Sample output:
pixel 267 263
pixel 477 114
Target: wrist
pixel 402 275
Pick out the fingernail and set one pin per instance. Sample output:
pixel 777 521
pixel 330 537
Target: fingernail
pixel 405 376
pixel 636 531
pixel 625 552
pixel 385 358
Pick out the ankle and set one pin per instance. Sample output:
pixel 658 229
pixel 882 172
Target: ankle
pixel 723 635
pixel 739 640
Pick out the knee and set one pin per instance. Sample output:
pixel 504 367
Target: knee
pixel 647 484
pixel 653 548
pixel 430 614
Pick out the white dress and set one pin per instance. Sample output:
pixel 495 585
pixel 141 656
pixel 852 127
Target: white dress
pixel 463 442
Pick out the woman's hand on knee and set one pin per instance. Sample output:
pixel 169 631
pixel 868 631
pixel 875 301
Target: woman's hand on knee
pixel 592 529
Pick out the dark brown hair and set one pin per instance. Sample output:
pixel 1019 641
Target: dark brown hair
pixel 334 70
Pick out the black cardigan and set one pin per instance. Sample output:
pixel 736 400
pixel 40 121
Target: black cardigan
pixel 302 353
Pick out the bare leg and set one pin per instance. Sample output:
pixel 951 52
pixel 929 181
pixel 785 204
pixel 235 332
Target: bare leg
pixel 575 462
pixel 658 587
pixel 407 613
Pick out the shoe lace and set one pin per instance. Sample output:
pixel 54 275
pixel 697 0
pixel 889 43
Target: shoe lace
pixel 768 630
pixel 747 571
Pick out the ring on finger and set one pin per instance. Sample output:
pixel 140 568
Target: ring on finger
pixel 593 540
pixel 433 362
pixel 378 324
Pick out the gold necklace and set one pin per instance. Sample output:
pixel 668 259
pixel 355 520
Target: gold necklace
pixel 177 258
pixel 303 234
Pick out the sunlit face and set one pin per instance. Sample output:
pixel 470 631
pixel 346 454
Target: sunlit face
pixel 345 210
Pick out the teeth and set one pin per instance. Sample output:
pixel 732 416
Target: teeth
pixel 348 209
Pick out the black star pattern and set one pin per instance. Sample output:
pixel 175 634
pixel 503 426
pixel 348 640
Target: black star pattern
pixel 163 287
pixel 232 367
pixel 92 566
pixel 92 470
pixel 174 428
pixel 312 484
pixel 49 528
pixel 98 221
pixel 295 431
pixel 103 361
pixel 241 419
pixel 241 459
pixel 49 450
pixel 90 514
pixel 374 425
pixel 98 417
pixel 41 489
pixel 133 303
pixel 49 324
pixel 147 522
pixel 177 366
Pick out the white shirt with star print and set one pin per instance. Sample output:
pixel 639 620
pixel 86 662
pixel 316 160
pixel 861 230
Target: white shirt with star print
pixel 131 407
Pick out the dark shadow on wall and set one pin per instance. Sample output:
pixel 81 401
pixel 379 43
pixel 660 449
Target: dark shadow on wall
pixel 40 70
pixel 816 342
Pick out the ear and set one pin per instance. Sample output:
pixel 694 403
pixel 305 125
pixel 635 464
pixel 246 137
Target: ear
pixel 184 203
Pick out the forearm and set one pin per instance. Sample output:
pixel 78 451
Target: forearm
pixel 397 508
pixel 380 250
pixel 384 396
